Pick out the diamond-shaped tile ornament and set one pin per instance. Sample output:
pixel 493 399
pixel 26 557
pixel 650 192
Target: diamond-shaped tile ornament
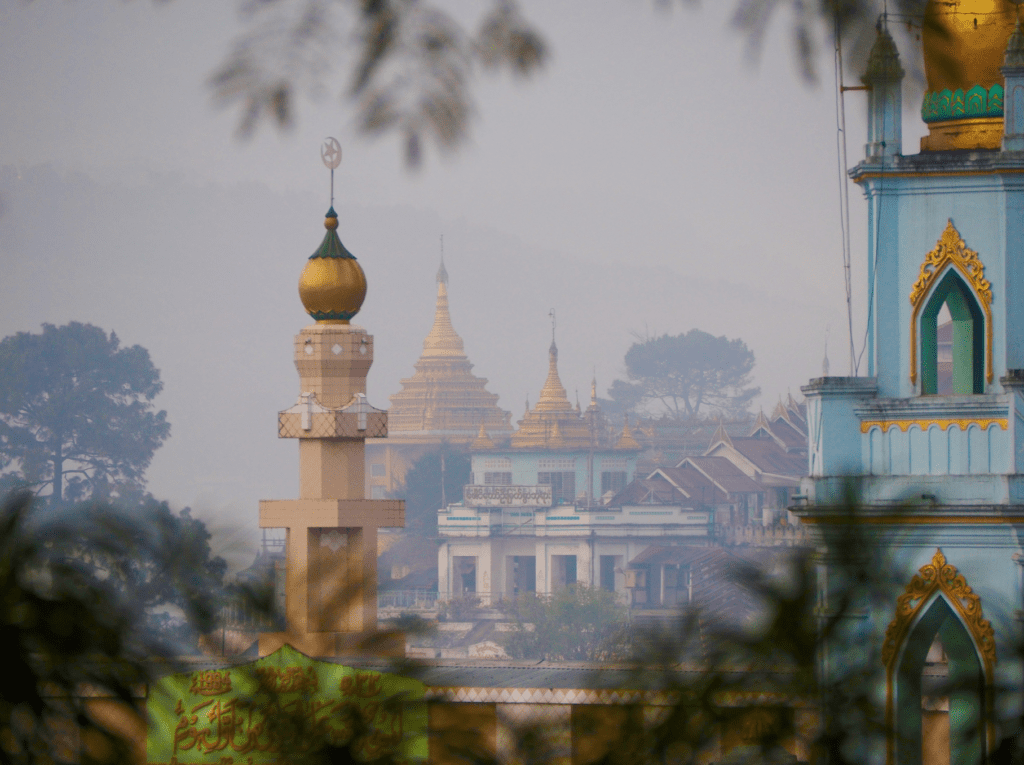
pixel 336 349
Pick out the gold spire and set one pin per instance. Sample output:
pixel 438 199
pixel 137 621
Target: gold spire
pixel 626 440
pixel 444 398
pixel 556 440
pixel 483 441
pixel 552 395
pixel 554 423
pixel 443 340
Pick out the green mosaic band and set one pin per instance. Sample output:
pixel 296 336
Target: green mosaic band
pixel 953 105
pixel 332 315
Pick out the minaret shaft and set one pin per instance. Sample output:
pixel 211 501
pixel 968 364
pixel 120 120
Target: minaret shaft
pixel 331 581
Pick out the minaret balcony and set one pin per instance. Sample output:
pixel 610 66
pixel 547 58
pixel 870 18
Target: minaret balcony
pixel 309 419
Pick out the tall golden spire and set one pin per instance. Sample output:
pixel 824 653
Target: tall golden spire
pixel 444 399
pixel 443 340
pixel 552 396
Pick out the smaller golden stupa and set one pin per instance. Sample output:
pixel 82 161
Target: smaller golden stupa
pixel 556 425
pixel 964 44
pixel 332 286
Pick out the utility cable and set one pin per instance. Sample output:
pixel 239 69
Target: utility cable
pixel 844 194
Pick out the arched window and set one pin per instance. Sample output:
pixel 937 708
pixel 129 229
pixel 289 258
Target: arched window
pixel 963 687
pixel 952 276
pixel 939 652
pixel 968 339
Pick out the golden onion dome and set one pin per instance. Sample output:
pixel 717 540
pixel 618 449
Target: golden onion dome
pixel 964 45
pixel 332 286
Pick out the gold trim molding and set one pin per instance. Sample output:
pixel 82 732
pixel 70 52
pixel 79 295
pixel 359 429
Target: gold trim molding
pixel 944 424
pixel 951 250
pixel 942 577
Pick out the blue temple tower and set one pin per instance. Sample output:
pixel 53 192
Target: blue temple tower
pixel 931 441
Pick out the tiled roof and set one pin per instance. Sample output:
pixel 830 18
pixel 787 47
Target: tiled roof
pixel 769 457
pixel 790 437
pixel 644 491
pixel 693 482
pixel 725 474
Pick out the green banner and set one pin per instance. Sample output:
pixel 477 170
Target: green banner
pixel 281 707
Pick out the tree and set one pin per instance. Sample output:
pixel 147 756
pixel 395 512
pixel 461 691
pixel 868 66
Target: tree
pixel 423 497
pixel 578 623
pixel 690 372
pixel 76 418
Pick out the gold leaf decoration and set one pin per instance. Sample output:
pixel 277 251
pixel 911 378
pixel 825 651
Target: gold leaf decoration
pixel 951 250
pixel 939 575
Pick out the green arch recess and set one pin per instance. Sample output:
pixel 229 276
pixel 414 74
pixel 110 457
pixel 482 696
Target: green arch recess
pixel 964 686
pixel 968 337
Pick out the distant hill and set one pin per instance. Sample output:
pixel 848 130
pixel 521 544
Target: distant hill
pixel 205 277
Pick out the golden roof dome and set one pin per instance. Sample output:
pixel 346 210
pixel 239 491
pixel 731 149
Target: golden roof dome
pixel 332 286
pixel 964 44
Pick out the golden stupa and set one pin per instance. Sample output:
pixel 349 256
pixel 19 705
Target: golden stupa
pixel 332 286
pixel 444 399
pixel 555 424
pixel 964 44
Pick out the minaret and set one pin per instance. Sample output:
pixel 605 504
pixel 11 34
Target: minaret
pixel 331 586
pixel 884 78
pixel 1013 85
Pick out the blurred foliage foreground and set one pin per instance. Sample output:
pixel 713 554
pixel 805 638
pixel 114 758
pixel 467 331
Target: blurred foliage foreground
pixel 73 619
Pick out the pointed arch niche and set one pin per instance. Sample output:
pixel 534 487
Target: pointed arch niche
pixel 938 607
pixel 953 276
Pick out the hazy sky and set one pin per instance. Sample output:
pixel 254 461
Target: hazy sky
pixel 651 178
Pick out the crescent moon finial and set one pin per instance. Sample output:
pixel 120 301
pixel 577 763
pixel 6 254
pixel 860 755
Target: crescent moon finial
pixel 330 153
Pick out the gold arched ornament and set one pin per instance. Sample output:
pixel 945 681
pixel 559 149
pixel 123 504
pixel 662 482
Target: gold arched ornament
pixel 951 250
pixel 942 577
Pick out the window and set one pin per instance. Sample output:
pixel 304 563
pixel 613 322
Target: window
pixel 556 463
pixel 463 574
pixel 377 469
pixel 608 572
pixel 952 340
pixel 377 492
pixel 522 576
pixel 613 481
pixel 563 571
pixel 498 479
pixel 563 486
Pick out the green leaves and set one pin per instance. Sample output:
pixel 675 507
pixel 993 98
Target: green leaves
pixel 578 623
pixel 408 65
pixel 76 588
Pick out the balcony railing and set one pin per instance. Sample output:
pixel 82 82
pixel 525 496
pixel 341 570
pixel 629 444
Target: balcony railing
pixel 407 600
